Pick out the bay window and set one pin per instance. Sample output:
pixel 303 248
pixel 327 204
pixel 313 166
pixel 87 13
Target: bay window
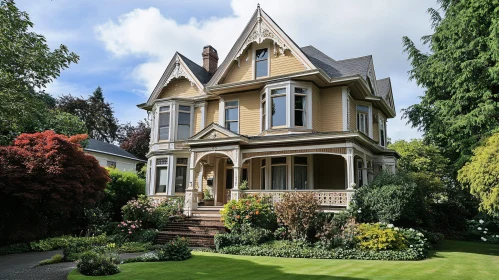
pixel 300 106
pixel 162 175
pixel 300 173
pixel 181 175
pixel 363 119
pixel 264 111
pixel 278 98
pixel 232 116
pixel 279 173
pixel 164 123
pixel 261 63
pixel 184 122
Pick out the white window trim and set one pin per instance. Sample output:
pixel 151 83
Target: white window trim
pixel 156 122
pixel 253 58
pixel 382 124
pixel 369 117
pixel 174 170
pixel 154 179
pixel 191 119
pixel 222 116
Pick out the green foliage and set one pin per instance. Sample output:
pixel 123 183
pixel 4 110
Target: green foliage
pixel 98 219
pixel 379 238
pixel 207 194
pixel 244 185
pixel 123 187
pixel 175 250
pixel 390 198
pixel 480 175
pixel 152 213
pixel 297 211
pixel 57 258
pixel 95 264
pixel 248 236
pixel 147 257
pixel 15 249
pixel 145 236
pixel 252 211
pixel 336 232
pixel 53 243
pixel 134 247
pixel 483 228
pixel 73 249
pixel 460 76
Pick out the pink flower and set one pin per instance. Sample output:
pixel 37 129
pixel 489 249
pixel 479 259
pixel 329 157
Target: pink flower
pixel 132 226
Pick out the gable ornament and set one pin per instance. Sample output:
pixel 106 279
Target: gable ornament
pixel 179 71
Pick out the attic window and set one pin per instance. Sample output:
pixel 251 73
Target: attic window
pixel 262 63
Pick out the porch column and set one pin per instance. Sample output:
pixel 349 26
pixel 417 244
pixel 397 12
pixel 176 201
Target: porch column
pixel 364 172
pixel 350 168
pixel 191 193
pixel 235 193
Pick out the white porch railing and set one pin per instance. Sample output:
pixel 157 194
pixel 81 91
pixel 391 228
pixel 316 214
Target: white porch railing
pixel 333 198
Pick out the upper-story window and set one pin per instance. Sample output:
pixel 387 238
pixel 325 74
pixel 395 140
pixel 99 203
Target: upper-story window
pixel 184 122
pixel 300 106
pixel 264 110
pixel 232 116
pixel 363 119
pixel 262 63
pixel 278 97
pixel 382 132
pixel 164 123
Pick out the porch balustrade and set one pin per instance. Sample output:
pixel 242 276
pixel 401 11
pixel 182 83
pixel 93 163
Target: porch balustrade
pixel 331 198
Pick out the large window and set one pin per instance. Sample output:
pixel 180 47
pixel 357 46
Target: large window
pixel 363 119
pixel 264 111
pixel 278 97
pixel 161 175
pixel 382 132
pixel 261 63
pixel 181 175
pixel 164 123
pixel 300 105
pixel 232 116
pixel 300 173
pixel 184 122
pixel 279 173
pixel 262 174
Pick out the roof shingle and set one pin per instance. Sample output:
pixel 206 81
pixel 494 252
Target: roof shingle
pixel 99 146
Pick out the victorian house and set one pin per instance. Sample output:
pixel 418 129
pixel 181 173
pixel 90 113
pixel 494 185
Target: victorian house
pixel 273 116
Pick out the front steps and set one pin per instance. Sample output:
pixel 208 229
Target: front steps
pixel 198 229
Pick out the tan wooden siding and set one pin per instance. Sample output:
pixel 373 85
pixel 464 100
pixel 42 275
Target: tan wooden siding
pixel 179 87
pixel 375 124
pixel 212 111
pixel 329 172
pixel 284 63
pixel 241 72
pixel 249 111
pixel 316 110
pixel 197 120
pixel 331 109
pixel 255 174
pixel 353 115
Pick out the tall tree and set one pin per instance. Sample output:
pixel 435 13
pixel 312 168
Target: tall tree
pixel 95 112
pixel 27 65
pixel 460 76
pixel 136 139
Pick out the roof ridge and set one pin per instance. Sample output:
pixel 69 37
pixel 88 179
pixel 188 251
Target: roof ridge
pixel 369 55
pixel 310 46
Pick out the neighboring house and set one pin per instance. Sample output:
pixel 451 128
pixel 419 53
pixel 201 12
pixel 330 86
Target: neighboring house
pixel 110 155
pixel 281 117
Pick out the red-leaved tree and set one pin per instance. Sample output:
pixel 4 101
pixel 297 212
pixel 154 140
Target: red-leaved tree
pixel 45 178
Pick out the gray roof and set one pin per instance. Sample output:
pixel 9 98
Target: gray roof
pixel 201 74
pixel 103 147
pixel 383 87
pixel 338 68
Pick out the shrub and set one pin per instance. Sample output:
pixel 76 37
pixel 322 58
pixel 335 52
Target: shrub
pixel 282 233
pixel 15 249
pixel 95 264
pixel 337 232
pixel 151 213
pixel 175 250
pixel 378 237
pixel 252 211
pixel 123 187
pixel 147 257
pixel 144 236
pixel 97 218
pixel 52 243
pixel 76 246
pixel 483 229
pixel 134 247
pixel 297 211
pixel 248 236
pixel 57 258
pixel 390 198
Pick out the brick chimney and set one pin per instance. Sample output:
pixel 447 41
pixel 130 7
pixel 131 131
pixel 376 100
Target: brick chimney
pixel 210 59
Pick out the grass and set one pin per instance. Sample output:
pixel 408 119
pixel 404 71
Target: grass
pixel 454 260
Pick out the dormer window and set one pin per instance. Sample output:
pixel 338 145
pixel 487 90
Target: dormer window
pixel 164 123
pixel 278 107
pixel 363 119
pixel 262 63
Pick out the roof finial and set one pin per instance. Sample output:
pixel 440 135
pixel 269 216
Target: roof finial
pixel 258 11
pixel 258 6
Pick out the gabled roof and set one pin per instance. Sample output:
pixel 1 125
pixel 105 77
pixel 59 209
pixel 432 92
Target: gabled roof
pixel 259 28
pixel 110 149
pixel 385 90
pixel 338 68
pixel 181 66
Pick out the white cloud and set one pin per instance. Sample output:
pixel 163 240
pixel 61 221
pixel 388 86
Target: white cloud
pixel 342 29
pixel 58 88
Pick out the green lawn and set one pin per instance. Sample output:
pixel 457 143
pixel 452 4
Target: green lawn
pixel 455 260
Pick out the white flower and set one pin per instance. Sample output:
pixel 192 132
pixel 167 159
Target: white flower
pixel 486 229
pixel 484 239
pixel 359 211
pixel 390 225
pixel 485 232
pixel 412 246
pixel 479 228
pixel 420 234
pixel 481 221
pixel 396 228
pixel 353 185
pixel 497 236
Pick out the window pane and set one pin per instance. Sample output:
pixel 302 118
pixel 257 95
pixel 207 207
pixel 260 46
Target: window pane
pixel 164 109
pixel 278 160
pixel 301 160
pixel 279 111
pixel 232 126
pixel 301 90
pixel 231 114
pixel 244 176
pixel 164 133
pixel 180 178
pixel 278 177
pixel 262 69
pixel 231 104
pixel 299 102
pixel 300 177
pixel 363 109
pixel 262 54
pixel 263 162
pixel 262 179
pixel 278 91
pixel 164 119
pixel 184 118
pixel 162 176
pixel 299 118
pixel 229 180
pixel 181 161
pixel 184 108
pixel 183 132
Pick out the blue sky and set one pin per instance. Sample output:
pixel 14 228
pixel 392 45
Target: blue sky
pixel 124 46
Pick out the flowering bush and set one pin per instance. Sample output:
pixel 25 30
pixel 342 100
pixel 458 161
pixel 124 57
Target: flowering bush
pixel 129 227
pixel 297 211
pixel 95 264
pixel 251 211
pixel 380 237
pixel 484 230
pixel 337 233
pixel 154 213
pixel 175 250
